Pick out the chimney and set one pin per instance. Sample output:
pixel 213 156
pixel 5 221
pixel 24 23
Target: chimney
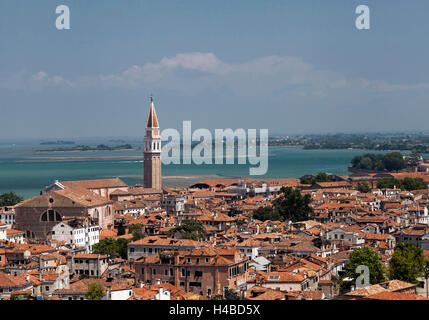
pixel 27 278
pixel 176 258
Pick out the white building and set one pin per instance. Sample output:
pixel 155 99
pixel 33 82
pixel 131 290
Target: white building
pixel 15 236
pixel 264 190
pixel 81 236
pixel 163 294
pixel 118 294
pixel 174 204
pixel 3 234
pixel 340 234
pixel 7 216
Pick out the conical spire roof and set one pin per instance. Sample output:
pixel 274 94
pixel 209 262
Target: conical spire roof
pixel 152 120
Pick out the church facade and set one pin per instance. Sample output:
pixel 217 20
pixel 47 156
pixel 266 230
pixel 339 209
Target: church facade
pixel 152 151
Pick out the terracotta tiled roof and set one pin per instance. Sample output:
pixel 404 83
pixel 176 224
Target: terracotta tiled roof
pixel 95 184
pixel 395 296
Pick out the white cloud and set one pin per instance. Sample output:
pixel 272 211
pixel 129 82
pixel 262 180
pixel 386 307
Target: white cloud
pixel 279 75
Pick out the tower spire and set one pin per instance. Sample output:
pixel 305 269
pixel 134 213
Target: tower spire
pixel 152 120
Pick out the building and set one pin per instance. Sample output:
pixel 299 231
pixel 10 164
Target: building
pixel 117 289
pixel 7 215
pixel 37 216
pixel 174 204
pixel 204 271
pixel 15 236
pixel 78 235
pixel 10 283
pixel 3 232
pixel 155 244
pixel 102 187
pixel 152 151
pixel 88 264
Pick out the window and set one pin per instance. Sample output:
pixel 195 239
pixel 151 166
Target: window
pixel 195 284
pixel 51 215
pixel 207 260
pixel 166 272
pixel 198 273
pixel 154 271
pixel 197 260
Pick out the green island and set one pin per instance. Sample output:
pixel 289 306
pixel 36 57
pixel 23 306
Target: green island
pixel 88 148
pixel 416 142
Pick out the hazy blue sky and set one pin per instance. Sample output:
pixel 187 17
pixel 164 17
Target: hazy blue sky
pixel 289 66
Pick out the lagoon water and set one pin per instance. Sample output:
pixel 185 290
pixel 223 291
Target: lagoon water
pixel 27 171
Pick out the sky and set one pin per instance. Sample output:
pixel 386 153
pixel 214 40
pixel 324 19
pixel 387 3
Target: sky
pixel 292 67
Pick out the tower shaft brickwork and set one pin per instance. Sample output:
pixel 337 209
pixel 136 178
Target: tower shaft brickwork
pixel 152 151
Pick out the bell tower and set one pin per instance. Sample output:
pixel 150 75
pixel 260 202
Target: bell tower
pixel 152 151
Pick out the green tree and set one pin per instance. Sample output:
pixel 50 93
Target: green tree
pixel 394 161
pixel 407 262
pixel 107 246
pixel 363 187
pixel 95 292
pixel 291 205
pixel 267 213
pixel 9 199
pixel 189 229
pixel 137 235
pixel 405 184
pixel 413 184
pixel 389 183
pixel 320 177
pixel 136 230
pixel 121 229
pixel 135 227
pixel 391 162
pixel 370 258
pixel 413 159
pixel 122 248
pixel 112 247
